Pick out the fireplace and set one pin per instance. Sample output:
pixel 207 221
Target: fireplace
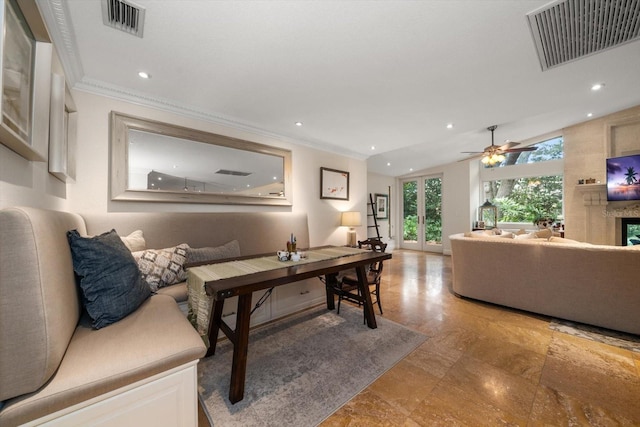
pixel 630 231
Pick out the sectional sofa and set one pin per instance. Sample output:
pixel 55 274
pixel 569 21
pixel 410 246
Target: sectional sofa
pixel 593 284
pixel 57 369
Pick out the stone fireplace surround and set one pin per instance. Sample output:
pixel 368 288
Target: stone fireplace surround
pixel 604 218
pixel 589 217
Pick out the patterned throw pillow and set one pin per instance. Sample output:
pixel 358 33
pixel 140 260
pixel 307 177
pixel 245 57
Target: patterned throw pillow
pixel 162 267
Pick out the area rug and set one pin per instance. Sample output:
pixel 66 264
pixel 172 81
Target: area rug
pixel 302 369
pixel 593 333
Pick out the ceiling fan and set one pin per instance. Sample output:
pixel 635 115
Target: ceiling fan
pixel 494 154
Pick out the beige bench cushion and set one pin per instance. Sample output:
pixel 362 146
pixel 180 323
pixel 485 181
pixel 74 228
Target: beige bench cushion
pixel 154 338
pixel 178 291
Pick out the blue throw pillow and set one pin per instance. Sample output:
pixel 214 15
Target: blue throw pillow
pixel 110 282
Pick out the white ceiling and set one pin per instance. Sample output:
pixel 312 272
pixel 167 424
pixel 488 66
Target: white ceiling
pixel 389 74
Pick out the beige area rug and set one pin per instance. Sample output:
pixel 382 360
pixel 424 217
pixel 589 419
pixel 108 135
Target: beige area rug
pixel 302 369
pixel 593 333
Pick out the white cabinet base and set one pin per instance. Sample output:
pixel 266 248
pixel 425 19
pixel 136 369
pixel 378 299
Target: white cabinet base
pixel 168 399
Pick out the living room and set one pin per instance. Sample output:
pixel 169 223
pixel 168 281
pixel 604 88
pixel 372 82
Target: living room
pixel 588 142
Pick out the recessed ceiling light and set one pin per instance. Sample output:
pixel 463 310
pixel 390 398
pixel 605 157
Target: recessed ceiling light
pixel 597 86
pixel 410 169
pixel 388 163
pixel 590 115
pixel 373 147
pixel 298 123
pixel 144 75
pixel 450 126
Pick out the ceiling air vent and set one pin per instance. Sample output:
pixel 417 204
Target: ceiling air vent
pixel 567 30
pixel 123 15
pixel 234 173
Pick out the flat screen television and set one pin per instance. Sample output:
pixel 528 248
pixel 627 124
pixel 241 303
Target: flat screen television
pixel 623 178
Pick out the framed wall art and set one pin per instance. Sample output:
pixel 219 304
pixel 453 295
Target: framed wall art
pixel 62 131
pixel 382 206
pixel 334 184
pixel 26 55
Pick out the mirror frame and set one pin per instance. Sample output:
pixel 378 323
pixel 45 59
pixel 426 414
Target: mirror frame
pixel 120 124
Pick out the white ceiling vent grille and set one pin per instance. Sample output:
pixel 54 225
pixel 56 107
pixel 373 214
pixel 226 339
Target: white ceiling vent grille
pixel 566 30
pixel 123 15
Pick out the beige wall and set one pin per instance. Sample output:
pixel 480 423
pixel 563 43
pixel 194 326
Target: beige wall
pixel 588 215
pixel 29 183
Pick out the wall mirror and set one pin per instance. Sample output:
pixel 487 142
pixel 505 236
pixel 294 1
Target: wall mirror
pixel 158 162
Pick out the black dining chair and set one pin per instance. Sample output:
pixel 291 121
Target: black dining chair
pixel 347 286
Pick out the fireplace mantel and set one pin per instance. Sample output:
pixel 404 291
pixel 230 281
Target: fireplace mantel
pixel 593 194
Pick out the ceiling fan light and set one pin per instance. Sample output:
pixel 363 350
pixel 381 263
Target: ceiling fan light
pixel 485 160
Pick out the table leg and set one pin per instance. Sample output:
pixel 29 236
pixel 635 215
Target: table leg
pixel 330 281
pixel 240 347
pixel 363 283
pixel 214 326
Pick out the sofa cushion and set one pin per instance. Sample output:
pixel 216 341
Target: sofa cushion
pixel 134 241
pixel 110 282
pixel 154 338
pixel 39 303
pixel 162 267
pixel 178 292
pixel 228 250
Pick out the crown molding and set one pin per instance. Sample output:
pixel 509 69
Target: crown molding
pixel 105 89
pixel 56 17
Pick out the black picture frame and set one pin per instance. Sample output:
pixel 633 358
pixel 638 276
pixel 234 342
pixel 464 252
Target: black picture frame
pixel 334 184
pixel 382 206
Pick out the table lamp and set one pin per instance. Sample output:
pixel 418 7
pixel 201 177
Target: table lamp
pixel 351 219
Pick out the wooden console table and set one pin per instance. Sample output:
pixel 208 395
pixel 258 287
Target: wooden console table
pixel 244 285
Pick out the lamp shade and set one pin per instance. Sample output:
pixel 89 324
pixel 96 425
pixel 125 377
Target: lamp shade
pixel 351 219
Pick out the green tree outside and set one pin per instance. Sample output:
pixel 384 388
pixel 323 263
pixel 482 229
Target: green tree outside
pixel 433 210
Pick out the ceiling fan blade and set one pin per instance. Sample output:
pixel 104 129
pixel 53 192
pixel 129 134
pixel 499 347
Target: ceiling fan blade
pixel 474 156
pixel 519 150
pixel 508 146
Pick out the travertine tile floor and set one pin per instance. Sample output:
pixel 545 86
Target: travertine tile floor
pixel 486 365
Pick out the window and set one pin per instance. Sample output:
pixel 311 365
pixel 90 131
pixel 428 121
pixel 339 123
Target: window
pixel 527 185
pixel 526 199
pixel 550 149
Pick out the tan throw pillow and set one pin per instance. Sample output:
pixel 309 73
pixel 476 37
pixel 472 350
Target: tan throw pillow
pixel 162 267
pixel 525 236
pixel 228 250
pixel 544 234
pixel 135 241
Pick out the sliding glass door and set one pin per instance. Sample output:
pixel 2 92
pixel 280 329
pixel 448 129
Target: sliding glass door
pixel 422 214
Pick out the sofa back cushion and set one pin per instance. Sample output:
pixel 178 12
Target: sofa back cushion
pixel 39 303
pixel 256 232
